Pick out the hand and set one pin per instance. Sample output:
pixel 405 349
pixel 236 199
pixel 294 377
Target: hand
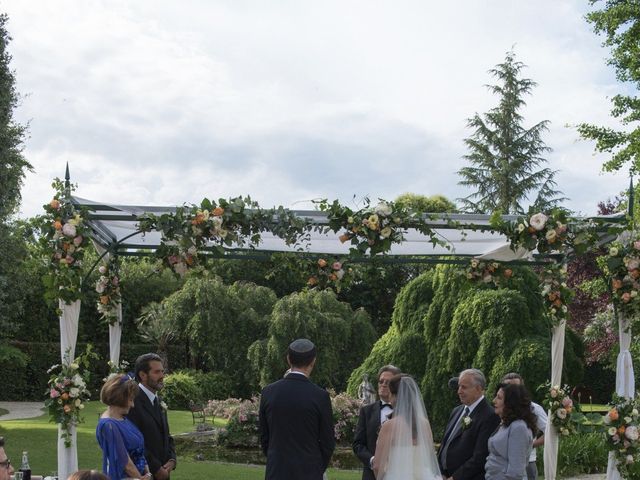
pixel 162 474
pixel 170 465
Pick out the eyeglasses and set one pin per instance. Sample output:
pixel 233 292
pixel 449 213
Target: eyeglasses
pixel 6 464
pixel 383 382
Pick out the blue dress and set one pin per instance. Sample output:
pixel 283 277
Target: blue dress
pixel 119 441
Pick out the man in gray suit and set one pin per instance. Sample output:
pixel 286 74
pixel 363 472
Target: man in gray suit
pixel 371 418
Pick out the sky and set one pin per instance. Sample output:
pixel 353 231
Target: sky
pixel 165 103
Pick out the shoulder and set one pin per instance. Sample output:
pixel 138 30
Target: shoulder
pixel 518 426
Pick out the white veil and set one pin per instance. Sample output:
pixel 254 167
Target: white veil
pixel 411 451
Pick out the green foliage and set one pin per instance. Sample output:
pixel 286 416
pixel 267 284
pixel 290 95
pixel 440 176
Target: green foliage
pixel 505 157
pixel 179 389
pixel 442 325
pixel 580 454
pixel 619 21
pixel 212 313
pixel 426 204
pixel 214 385
pixel 343 337
pixel 156 327
pixel 14 371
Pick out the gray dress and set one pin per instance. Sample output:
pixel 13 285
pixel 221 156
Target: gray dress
pixel 509 450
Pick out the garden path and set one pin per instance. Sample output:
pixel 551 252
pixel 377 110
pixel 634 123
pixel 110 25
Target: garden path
pixel 21 410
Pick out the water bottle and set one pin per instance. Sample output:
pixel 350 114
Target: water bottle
pixel 24 467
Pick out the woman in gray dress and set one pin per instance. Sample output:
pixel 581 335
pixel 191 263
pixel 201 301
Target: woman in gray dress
pixel 510 445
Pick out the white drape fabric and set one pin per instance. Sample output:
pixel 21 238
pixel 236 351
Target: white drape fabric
pixel 115 335
pixel 504 253
pixel 68 457
pixel 625 383
pixel 550 434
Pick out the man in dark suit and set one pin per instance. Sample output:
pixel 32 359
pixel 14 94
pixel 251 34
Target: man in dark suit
pixel 464 449
pixel 150 416
pixel 371 418
pixel 296 420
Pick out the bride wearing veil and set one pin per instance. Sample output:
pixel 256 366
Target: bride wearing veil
pixel 405 448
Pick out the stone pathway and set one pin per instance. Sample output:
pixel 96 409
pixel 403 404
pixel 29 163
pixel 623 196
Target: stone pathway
pixel 19 410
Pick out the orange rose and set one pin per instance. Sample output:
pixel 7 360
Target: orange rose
pixel 189 260
pixel 532 230
pixel 635 273
pixel 552 297
pixel 104 299
pixel 217 212
pixel 66 408
pixel 617 284
pixel 322 263
pixel 55 204
pixel 345 237
pixel 64 396
pixel 569 409
pixel 57 225
pixel 333 277
pixel 558 302
pixel 508 273
pixel 621 430
pixel 613 414
pixel 312 281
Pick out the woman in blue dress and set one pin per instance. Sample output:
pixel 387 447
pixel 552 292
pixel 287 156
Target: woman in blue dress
pixel 121 442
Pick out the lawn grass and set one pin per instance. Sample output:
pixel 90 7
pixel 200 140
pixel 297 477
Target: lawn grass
pixel 39 438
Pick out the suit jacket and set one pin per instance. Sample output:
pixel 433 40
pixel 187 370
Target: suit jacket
pixel 296 429
pixel 468 450
pixel 366 436
pixel 152 422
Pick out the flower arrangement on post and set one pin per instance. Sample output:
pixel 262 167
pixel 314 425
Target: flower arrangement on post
pixel 560 404
pixel 67 392
pixel 488 273
pixel 623 266
pixel 622 432
pixel 108 289
pixel 64 236
pixel 345 416
pixel 556 295
pixel 374 228
pixel 328 275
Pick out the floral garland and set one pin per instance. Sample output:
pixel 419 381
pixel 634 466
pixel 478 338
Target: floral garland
pixel 108 289
pixel 623 265
pixel 65 236
pixel 214 226
pixel 327 275
pixel 67 392
pixel 622 432
pixel 487 273
pixel 558 401
pixel 374 229
pixel 556 295
pixel 537 230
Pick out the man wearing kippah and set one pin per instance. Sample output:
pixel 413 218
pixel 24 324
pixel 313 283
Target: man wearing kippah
pixel 296 420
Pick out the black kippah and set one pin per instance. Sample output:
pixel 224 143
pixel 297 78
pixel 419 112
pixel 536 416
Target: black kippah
pixel 301 350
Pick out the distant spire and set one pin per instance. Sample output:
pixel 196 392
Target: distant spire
pixel 67 182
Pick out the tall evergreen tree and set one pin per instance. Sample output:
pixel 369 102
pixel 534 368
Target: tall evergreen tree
pixel 13 164
pixel 506 160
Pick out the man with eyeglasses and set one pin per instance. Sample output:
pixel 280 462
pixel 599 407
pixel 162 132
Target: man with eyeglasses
pixel 371 418
pixel 6 470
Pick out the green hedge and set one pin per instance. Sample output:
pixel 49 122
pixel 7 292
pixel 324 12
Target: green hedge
pixel 29 381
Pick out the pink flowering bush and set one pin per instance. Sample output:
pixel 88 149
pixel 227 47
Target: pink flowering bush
pixel 222 408
pixel 243 427
pixel 345 416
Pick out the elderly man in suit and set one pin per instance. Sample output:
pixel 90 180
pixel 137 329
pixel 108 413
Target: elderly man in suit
pixel 150 416
pixel 464 449
pixel 371 418
pixel 296 420
pixel 6 470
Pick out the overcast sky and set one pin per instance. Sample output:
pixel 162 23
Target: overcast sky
pixel 162 103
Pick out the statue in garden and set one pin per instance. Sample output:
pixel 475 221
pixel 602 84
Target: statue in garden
pixel 366 392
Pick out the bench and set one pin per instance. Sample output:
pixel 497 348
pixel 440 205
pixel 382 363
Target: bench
pixel 197 412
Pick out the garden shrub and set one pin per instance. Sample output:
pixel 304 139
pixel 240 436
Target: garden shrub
pixel 243 427
pixel 14 373
pixel 213 385
pixel 180 388
pixel 580 454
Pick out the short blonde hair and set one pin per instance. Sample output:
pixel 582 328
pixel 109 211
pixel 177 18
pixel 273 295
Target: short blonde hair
pixel 118 390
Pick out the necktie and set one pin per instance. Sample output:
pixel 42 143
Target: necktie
pixel 156 403
pixel 385 405
pixel 452 434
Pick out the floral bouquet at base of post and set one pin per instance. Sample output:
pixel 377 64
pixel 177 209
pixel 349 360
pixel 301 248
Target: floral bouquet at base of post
pixel 67 392
pixel 561 408
pixel 346 410
pixel 621 432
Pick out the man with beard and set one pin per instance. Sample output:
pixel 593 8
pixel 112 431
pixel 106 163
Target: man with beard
pixel 150 416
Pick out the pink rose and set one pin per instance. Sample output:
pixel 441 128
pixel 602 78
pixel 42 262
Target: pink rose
pixel 626 297
pixel 567 402
pixel 336 265
pixel 115 281
pixel 636 244
pixel 633 264
pixel 70 259
pixel 69 230
pixel 173 259
pixel 54 393
pixel 77 241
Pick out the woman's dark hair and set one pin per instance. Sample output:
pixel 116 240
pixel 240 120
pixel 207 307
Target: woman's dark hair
pixel 517 406
pixel 88 475
pixel 118 390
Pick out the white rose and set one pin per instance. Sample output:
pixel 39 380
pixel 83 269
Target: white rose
pixel 74 392
pixel 564 431
pixel 634 412
pixel 385 232
pixel 102 269
pixel 606 419
pixel 612 431
pixel 74 366
pixel 630 459
pixel 627 419
pixel 384 209
pixel 340 274
pixel 521 227
pixel 192 250
pixel 538 221
pixel 561 413
pixel 99 287
pixel 613 251
pixel 632 433
pixel 69 230
pixel 551 235
pixel 216 222
pixel 78 402
pixel 180 268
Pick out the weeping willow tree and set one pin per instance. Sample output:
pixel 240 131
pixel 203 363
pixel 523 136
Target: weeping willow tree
pixel 442 324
